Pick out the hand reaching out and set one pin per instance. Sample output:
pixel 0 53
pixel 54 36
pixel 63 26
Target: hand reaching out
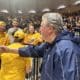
pixel 3 49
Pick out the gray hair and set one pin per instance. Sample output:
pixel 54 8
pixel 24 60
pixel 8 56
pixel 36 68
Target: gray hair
pixel 54 19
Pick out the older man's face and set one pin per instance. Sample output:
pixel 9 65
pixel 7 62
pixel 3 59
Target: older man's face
pixel 44 29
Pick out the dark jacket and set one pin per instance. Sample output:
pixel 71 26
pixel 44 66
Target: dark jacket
pixel 77 35
pixel 60 59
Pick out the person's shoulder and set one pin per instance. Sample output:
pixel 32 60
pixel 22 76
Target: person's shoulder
pixel 13 45
pixel 10 29
pixel 68 44
pixel 65 44
pixel 20 29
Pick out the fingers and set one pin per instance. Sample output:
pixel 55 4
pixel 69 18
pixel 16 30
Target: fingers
pixel 2 49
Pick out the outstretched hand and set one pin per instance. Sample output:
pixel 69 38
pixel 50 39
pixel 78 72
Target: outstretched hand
pixel 3 49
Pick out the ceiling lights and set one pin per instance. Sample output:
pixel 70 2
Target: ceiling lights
pixel 61 7
pixel 46 10
pixel 77 2
pixel 20 12
pixel 32 11
pixel 4 11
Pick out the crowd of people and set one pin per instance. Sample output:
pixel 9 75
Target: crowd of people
pixel 13 66
pixel 57 42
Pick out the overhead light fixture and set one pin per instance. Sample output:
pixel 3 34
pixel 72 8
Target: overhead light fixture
pixel 61 7
pixel 4 11
pixel 77 2
pixel 46 10
pixel 32 11
pixel 20 12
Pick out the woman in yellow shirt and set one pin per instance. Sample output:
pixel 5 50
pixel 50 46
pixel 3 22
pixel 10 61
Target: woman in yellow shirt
pixel 14 67
pixel 4 38
pixel 32 37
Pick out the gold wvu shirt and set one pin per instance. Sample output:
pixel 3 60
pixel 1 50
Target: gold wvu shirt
pixel 34 38
pixel 4 39
pixel 13 67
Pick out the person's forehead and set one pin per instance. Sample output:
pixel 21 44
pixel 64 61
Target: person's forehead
pixel 31 27
pixel 44 21
pixel 15 22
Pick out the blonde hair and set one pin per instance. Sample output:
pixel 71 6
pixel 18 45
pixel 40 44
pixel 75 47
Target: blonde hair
pixel 19 34
pixel 2 23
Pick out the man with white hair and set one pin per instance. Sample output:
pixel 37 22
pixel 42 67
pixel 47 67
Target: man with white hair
pixel 60 53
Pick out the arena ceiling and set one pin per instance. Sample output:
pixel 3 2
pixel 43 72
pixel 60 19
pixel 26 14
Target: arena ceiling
pixel 38 5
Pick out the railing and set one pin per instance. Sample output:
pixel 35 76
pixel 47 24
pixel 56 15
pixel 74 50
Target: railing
pixel 35 74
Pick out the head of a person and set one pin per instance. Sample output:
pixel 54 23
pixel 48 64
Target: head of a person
pixel 2 26
pixel 31 28
pixel 15 23
pixel 78 24
pixel 51 25
pixel 19 36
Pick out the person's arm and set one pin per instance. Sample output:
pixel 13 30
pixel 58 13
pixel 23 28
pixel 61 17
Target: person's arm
pixel 69 64
pixel 68 57
pixel 32 51
pixel 29 64
pixel 4 49
pixel 29 51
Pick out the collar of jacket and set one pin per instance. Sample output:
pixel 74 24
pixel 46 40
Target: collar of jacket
pixel 64 35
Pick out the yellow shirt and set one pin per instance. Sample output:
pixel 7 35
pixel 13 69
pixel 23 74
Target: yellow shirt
pixel 34 38
pixel 4 39
pixel 13 67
